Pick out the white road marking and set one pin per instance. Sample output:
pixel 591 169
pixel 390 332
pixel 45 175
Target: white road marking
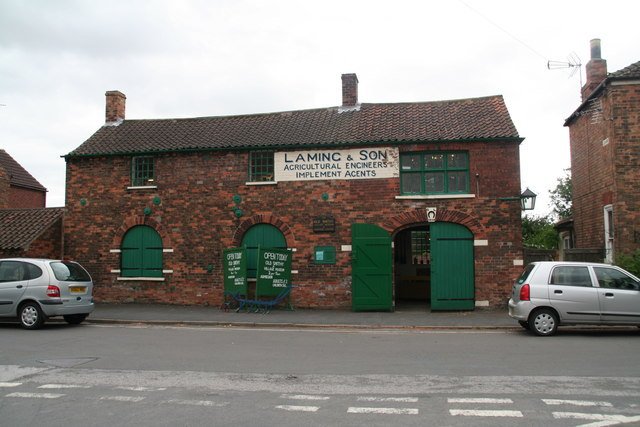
pixel 477 400
pixel 142 388
pixel 298 408
pixel 36 395
pixel 123 398
pixel 10 384
pixel 613 419
pixel 385 411
pixel 576 402
pixel 304 397
pixel 62 386
pixel 387 399
pixel 197 402
pixel 485 413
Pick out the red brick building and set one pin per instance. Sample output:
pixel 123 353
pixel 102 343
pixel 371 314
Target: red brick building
pixel 605 159
pixel 27 228
pixel 382 204
pixel 18 188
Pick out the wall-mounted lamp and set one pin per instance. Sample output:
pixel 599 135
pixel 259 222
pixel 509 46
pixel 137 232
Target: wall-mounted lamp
pixel 528 200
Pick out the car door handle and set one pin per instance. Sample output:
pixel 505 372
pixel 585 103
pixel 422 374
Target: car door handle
pixel 557 291
pixel 19 286
pixel 608 294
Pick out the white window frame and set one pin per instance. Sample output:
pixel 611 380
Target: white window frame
pixel 609 233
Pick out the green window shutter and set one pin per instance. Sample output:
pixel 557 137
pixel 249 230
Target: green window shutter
pixel 261 235
pixel 141 253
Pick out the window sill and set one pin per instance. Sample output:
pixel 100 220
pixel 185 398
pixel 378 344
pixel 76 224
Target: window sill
pixel 142 187
pixel 261 183
pixel 140 279
pixel 435 196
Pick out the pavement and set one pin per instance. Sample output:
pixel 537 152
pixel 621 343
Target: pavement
pixel 401 318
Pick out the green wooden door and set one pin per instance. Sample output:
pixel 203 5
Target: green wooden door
pixel 261 235
pixel 141 253
pixel 371 280
pixel 452 272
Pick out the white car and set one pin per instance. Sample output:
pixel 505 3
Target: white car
pixel 35 289
pixel 548 294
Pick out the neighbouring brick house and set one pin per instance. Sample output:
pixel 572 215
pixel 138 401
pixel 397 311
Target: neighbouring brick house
pixel 27 228
pixel 382 204
pixel 18 189
pixel 605 160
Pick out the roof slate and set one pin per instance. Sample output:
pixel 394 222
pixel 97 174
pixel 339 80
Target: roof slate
pixel 630 72
pixel 18 176
pixel 465 119
pixel 20 227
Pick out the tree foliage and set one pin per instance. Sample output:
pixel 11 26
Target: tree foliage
pixel 561 196
pixel 630 262
pixel 539 232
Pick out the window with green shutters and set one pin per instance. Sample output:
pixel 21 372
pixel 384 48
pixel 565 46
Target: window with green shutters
pixel 141 253
pixel 434 173
pixel 264 236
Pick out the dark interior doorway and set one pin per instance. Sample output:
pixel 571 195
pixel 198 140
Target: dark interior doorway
pixel 412 259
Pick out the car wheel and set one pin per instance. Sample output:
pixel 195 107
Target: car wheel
pixel 524 324
pixel 74 319
pixel 31 316
pixel 543 322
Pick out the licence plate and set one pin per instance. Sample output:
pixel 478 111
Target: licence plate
pixel 77 289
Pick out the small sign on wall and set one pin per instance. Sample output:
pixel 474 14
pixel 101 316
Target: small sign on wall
pixel 431 214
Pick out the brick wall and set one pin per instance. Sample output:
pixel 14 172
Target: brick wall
pixel 195 218
pixel 4 189
pixel 605 168
pixel 20 198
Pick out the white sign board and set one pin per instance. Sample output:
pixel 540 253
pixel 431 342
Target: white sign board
pixel 357 163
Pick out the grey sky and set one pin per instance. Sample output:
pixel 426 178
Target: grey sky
pixel 193 58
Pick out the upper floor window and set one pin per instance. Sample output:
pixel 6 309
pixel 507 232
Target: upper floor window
pixel 261 166
pixel 142 171
pixel 434 173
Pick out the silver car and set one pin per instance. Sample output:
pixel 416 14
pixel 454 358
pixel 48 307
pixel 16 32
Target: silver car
pixel 35 289
pixel 549 294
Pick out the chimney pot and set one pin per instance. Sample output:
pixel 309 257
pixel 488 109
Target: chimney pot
pixel 115 107
pixel 595 49
pixel 349 90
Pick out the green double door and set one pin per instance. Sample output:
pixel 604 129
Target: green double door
pixel 452 272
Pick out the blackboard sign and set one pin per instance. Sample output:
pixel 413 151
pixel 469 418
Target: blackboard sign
pixel 274 271
pixel 234 261
pixel 324 224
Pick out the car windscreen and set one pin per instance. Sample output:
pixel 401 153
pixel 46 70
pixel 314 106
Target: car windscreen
pixel 525 274
pixel 69 272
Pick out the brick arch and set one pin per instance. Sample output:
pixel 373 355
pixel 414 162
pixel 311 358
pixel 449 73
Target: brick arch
pixel 132 221
pixel 416 216
pixel 264 219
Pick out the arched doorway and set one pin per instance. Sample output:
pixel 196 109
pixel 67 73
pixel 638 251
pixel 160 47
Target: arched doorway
pixel 412 273
pixel 434 267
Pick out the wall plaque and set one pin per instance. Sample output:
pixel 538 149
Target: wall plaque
pixel 324 224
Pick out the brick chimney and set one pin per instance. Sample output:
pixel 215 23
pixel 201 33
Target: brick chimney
pixel 596 70
pixel 115 107
pixel 349 90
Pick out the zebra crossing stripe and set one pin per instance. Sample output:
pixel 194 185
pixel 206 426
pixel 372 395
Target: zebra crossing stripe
pixel 386 411
pixel 595 417
pixel 123 398
pixel 10 384
pixel 298 408
pixel 485 413
pixel 576 402
pixel 63 386
pixel 304 397
pixel 477 400
pixel 36 395
pixel 197 402
pixel 387 399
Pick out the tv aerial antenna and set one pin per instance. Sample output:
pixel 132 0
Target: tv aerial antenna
pixel 572 63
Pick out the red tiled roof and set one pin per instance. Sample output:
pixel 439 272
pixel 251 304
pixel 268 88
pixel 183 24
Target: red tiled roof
pixel 465 119
pixel 18 176
pixel 20 227
pixel 630 72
